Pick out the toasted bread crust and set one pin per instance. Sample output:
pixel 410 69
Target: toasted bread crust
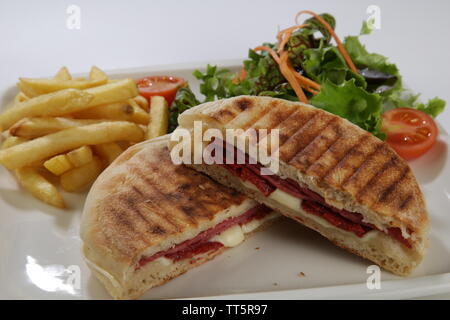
pixel 342 162
pixel 143 204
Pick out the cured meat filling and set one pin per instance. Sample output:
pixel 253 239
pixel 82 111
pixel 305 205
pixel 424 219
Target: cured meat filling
pixel 201 243
pixel 311 203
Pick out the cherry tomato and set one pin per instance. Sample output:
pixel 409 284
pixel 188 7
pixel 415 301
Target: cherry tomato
pixel 410 132
pixel 165 86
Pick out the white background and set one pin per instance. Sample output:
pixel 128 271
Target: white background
pixel 122 34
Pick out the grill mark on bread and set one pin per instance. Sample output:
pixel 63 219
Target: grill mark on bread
pixel 295 121
pixel 302 137
pixel 159 218
pixel 262 112
pixel 391 188
pixel 372 181
pixel 158 230
pixel 246 118
pixel 184 193
pixel 405 202
pixel 164 200
pixel 361 166
pixel 337 152
pixel 223 115
pixel 272 118
pixel 317 147
pixel 244 104
pixel 136 189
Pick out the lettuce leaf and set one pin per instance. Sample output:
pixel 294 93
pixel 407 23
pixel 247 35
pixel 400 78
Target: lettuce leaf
pixel 406 99
pixel 433 107
pixel 326 63
pixel 185 99
pixel 353 103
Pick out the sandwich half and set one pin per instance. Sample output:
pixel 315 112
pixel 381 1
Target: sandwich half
pixel 147 220
pixel 333 177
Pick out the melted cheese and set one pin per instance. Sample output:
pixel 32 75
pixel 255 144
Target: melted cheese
pixel 230 237
pixel 286 199
pixel 163 261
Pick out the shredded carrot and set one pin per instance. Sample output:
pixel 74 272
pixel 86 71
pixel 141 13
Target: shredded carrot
pixel 339 44
pixel 270 51
pixel 308 82
pixel 284 35
pixel 295 79
pixel 289 73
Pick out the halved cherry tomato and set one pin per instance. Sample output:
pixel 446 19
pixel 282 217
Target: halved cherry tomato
pixel 165 86
pixel 410 132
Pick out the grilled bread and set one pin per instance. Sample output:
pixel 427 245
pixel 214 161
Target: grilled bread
pixel 356 181
pixel 143 212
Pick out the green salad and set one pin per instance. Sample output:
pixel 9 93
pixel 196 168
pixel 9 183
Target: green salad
pixel 361 97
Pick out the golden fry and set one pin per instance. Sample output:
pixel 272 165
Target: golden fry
pixel 108 151
pixel 13 141
pixel 20 97
pixel 142 102
pixel 38 127
pixel 58 164
pixel 159 117
pixel 80 177
pixel 63 74
pixel 80 156
pixel 52 104
pixel 113 92
pixel 39 187
pixel 114 111
pixel 37 87
pixel 97 74
pixel 47 146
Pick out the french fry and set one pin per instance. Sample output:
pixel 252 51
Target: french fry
pixel 142 102
pixel 37 87
pixel 108 151
pixel 159 117
pixel 122 111
pixel 63 74
pixel 47 146
pixel 58 164
pixel 38 127
pixel 39 187
pixel 80 156
pixel 140 115
pixel 52 104
pixel 113 92
pixel 80 177
pixel 97 74
pixel 20 97
pixel 12 141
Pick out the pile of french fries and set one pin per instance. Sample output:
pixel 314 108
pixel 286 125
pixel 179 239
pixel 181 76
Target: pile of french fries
pixel 68 130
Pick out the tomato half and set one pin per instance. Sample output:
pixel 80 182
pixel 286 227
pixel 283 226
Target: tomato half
pixel 165 86
pixel 410 132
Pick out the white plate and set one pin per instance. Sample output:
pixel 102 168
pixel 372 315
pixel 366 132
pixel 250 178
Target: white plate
pixel 40 246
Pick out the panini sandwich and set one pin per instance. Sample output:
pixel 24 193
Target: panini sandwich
pixel 147 220
pixel 333 177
